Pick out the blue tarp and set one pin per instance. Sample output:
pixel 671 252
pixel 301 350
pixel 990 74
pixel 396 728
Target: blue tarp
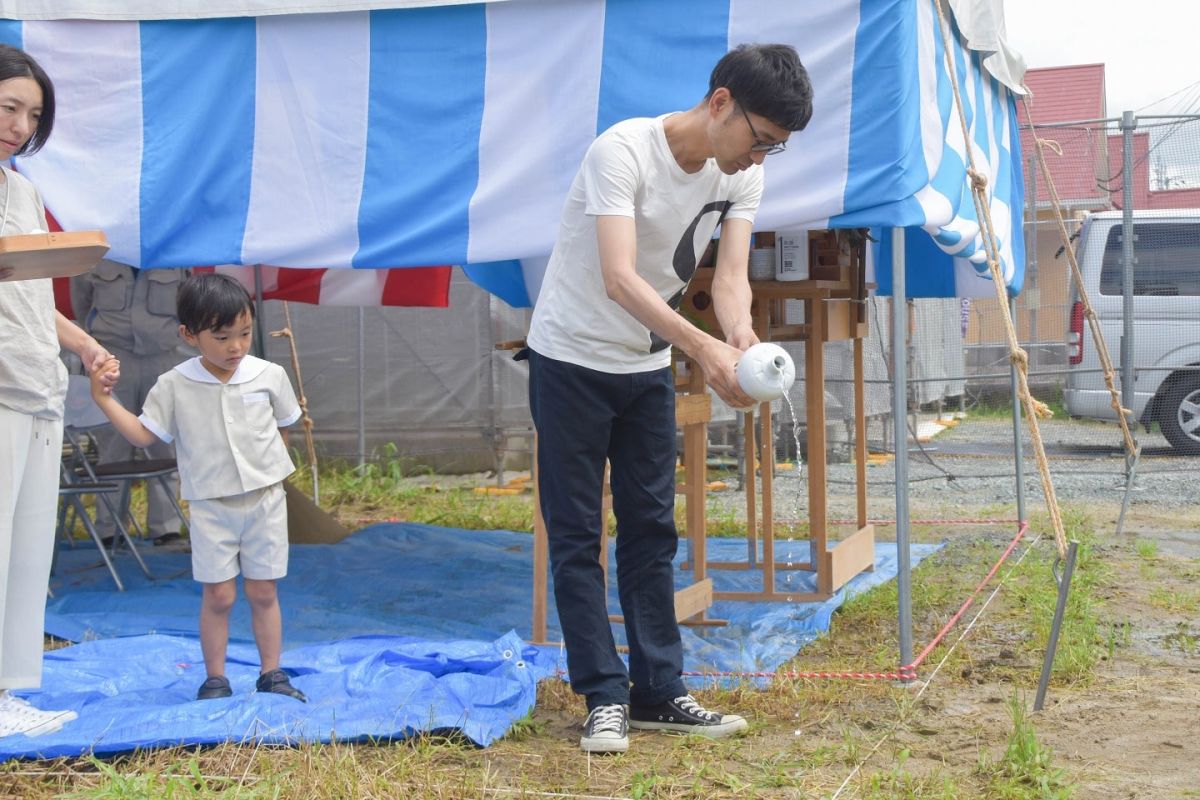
pixel 139 692
pixel 399 628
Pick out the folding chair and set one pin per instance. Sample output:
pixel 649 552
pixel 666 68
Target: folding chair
pixel 81 477
pixel 71 494
pixel 81 416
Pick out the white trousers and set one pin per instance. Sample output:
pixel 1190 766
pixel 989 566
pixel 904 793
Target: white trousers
pixel 30 452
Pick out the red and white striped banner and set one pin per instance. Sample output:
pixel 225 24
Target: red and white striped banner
pixel 413 286
pixel 427 287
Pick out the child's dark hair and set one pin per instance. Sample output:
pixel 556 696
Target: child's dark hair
pixel 208 301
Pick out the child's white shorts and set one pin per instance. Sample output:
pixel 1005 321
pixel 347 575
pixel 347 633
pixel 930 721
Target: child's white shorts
pixel 247 530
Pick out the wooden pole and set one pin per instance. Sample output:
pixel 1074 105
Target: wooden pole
pixel 305 419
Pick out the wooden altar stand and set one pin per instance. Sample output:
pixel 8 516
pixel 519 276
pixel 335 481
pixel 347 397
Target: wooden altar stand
pixel 833 311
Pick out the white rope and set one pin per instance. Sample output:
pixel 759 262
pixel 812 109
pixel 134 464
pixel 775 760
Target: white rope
pixel 929 681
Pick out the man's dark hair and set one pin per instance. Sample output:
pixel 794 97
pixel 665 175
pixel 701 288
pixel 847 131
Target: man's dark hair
pixel 767 80
pixel 16 63
pixel 208 301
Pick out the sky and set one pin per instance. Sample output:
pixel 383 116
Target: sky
pixel 1149 48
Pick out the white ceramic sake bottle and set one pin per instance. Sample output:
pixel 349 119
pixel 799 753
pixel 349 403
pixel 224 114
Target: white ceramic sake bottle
pixel 765 372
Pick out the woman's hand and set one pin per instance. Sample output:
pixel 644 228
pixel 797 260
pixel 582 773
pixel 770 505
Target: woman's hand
pixel 105 376
pixel 101 365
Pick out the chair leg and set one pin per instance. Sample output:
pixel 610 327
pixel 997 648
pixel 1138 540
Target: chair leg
pixel 124 503
pixel 63 527
pixel 122 531
pixel 95 534
pixel 123 534
pixel 136 555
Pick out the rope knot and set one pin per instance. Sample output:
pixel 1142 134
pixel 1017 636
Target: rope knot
pixel 1050 144
pixel 1041 409
pixel 978 179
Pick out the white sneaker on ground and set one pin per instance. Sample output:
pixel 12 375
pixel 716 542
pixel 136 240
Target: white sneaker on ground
pixel 18 716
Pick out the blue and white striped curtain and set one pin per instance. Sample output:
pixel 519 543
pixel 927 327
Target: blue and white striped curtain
pixel 450 134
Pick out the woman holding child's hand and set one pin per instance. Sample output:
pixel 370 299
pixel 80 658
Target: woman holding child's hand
pixel 33 385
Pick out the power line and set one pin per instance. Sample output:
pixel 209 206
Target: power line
pixel 1168 97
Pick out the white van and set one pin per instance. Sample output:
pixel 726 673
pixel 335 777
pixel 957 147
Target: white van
pixel 1166 323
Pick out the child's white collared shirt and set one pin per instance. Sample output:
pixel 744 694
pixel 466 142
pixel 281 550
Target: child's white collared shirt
pixel 226 435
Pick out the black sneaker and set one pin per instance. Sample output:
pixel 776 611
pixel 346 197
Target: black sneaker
pixel 606 730
pixel 214 688
pixel 684 715
pixel 276 682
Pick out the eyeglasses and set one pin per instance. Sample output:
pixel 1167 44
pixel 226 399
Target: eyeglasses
pixel 759 145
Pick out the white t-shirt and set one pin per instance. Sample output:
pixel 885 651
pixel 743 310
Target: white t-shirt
pixel 629 171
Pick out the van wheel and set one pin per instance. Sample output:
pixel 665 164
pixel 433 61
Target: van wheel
pixel 1179 415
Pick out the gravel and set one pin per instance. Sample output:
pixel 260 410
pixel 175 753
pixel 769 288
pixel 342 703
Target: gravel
pixel 970 469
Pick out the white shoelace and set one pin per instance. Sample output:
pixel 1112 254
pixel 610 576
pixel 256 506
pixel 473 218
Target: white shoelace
pixel 607 719
pixel 689 704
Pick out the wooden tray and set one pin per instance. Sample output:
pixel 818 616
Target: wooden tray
pixel 51 255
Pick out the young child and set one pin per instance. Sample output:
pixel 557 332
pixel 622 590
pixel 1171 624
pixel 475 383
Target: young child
pixel 223 411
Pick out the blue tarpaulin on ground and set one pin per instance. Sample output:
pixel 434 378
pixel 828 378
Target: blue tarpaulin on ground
pixel 139 692
pixel 397 629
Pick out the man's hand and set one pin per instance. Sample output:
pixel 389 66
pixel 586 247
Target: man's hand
pixel 719 362
pixel 743 338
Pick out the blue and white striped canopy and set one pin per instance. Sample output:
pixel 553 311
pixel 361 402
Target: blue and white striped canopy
pixel 449 134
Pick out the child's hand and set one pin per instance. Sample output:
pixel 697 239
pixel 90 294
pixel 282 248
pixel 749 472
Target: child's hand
pixel 105 377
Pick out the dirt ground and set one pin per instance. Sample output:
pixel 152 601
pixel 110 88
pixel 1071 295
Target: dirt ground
pixel 1128 731
pixel 1133 731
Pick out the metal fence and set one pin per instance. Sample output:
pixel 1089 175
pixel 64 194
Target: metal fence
pixel 1128 190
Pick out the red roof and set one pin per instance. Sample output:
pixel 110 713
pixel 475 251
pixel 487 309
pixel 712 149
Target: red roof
pixel 1143 195
pixel 1069 94
pixel 1065 94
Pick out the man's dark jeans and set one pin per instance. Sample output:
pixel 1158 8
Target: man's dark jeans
pixel 582 417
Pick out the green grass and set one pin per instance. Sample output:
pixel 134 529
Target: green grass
pixel 1183 639
pixel 178 781
pixel 806 736
pixel 898 784
pixel 1175 601
pixel 1026 770
pixel 1035 591
pixel 999 406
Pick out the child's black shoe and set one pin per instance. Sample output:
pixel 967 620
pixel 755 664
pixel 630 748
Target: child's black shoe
pixel 276 682
pixel 214 688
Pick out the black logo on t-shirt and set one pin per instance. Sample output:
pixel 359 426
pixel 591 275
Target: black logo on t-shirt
pixel 685 260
